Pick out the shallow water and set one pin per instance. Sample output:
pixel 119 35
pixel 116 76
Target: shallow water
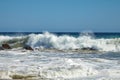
pixel 59 65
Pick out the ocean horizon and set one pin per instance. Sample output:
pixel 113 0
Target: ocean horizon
pixel 59 39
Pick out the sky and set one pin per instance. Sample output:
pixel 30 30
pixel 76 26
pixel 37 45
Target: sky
pixel 59 15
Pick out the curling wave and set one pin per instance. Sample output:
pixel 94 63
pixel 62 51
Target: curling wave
pixel 66 42
pixel 63 42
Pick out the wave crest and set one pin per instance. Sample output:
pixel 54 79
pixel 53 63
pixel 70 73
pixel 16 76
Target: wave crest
pixel 66 42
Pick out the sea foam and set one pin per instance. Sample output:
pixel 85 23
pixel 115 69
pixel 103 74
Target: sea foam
pixel 66 42
pixel 84 41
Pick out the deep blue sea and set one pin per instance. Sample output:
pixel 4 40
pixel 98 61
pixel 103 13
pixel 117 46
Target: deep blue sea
pixel 76 34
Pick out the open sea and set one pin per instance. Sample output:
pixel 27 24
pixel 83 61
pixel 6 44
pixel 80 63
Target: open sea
pixel 60 56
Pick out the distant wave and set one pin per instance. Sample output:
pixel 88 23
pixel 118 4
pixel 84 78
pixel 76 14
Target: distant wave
pixel 64 42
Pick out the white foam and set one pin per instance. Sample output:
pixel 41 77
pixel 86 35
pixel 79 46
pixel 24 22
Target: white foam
pixel 56 66
pixel 65 42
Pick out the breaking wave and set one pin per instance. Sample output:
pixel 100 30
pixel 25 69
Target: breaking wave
pixel 66 42
pixel 85 41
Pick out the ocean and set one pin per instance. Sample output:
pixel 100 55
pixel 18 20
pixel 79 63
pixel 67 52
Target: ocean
pixel 60 56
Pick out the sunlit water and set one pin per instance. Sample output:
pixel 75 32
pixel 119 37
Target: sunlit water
pixel 60 62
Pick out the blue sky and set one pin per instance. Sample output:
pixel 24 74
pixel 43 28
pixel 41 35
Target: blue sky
pixel 59 15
